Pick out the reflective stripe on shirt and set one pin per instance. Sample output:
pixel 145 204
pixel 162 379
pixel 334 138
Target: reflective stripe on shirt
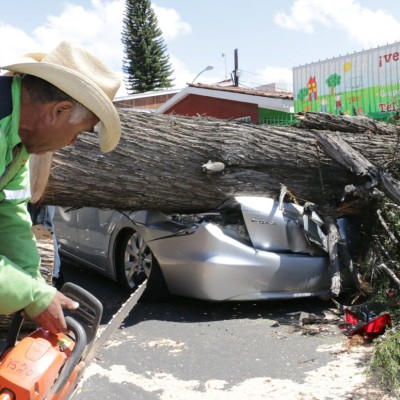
pixel 17 194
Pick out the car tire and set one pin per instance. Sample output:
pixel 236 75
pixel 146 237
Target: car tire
pixel 135 262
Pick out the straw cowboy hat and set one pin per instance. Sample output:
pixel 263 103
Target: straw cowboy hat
pixel 82 76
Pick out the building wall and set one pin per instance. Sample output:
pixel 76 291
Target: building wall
pixel 193 105
pixel 366 82
pixel 149 102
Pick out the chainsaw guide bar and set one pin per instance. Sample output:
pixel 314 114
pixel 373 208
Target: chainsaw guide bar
pixel 115 322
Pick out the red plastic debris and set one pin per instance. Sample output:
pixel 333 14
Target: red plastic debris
pixel 370 329
pixel 350 317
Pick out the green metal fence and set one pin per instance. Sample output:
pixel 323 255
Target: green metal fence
pixel 279 120
pixel 273 117
pixel 289 119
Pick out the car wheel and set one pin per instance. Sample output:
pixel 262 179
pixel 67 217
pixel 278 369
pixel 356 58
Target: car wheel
pixel 135 262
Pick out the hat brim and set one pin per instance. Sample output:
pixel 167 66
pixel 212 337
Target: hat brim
pixel 82 90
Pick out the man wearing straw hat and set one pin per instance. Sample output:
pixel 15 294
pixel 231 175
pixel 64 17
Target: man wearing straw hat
pixel 46 100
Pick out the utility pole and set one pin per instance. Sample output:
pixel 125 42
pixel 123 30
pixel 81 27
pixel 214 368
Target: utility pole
pixel 236 72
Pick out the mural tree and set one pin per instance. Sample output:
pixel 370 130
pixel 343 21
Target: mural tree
pixel 332 81
pixel 302 94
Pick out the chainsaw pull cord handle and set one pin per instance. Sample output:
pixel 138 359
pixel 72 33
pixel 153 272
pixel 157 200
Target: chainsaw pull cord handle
pixel 7 394
pixel 80 345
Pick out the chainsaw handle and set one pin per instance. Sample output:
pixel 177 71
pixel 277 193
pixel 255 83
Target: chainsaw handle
pixel 89 312
pixel 80 345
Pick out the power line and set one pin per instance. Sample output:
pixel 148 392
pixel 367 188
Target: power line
pixel 249 72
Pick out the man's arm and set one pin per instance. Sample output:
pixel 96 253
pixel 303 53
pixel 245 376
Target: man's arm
pixel 19 291
pixel 21 285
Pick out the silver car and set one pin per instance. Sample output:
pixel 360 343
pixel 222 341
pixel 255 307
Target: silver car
pixel 251 248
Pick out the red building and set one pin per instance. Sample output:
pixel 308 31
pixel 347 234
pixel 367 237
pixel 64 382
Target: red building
pixel 229 102
pixel 262 106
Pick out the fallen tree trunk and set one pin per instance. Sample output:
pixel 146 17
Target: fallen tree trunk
pixel 162 163
pixel 340 151
pixel 345 123
pixel 185 164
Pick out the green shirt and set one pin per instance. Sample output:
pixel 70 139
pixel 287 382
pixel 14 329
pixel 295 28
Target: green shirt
pixel 21 285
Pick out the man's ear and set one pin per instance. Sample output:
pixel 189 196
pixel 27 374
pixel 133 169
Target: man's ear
pixel 61 109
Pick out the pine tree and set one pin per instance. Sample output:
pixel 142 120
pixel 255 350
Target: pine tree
pixel 146 63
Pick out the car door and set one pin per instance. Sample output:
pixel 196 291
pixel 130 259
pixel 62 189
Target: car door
pixel 66 230
pixel 94 231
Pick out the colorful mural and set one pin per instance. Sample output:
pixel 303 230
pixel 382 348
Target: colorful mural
pixel 366 82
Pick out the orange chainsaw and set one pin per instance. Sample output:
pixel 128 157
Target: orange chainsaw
pixel 46 366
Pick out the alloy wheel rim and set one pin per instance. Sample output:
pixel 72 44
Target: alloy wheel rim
pixel 137 261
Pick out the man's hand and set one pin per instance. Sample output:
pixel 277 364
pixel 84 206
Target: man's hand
pixel 52 319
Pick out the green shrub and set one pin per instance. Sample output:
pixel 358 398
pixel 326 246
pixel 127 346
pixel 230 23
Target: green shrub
pixel 386 358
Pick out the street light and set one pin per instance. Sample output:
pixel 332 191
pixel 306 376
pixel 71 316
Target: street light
pixel 208 68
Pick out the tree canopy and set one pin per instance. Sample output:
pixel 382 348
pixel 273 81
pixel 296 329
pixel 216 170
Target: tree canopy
pixel 146 62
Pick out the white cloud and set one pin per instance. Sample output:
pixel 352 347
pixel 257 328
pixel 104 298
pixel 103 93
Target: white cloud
pixel 367 27
pixel 183 75
pixel 303 15
pixel 170 23
pixel 283 77
pixel 172 26
pixel 21 43
pixel 98 28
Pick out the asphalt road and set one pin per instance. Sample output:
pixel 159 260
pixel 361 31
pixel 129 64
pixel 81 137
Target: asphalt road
pixel 185 349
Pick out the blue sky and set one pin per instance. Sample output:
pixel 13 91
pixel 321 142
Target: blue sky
pixel 271 36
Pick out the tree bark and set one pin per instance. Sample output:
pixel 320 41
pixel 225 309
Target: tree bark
pixel 372 175
pixel 161 160
pixel 333 244
pixel 345 123
pixel 390 273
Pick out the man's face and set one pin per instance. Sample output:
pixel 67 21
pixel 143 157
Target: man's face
pixel 55 138
pixel 51 129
